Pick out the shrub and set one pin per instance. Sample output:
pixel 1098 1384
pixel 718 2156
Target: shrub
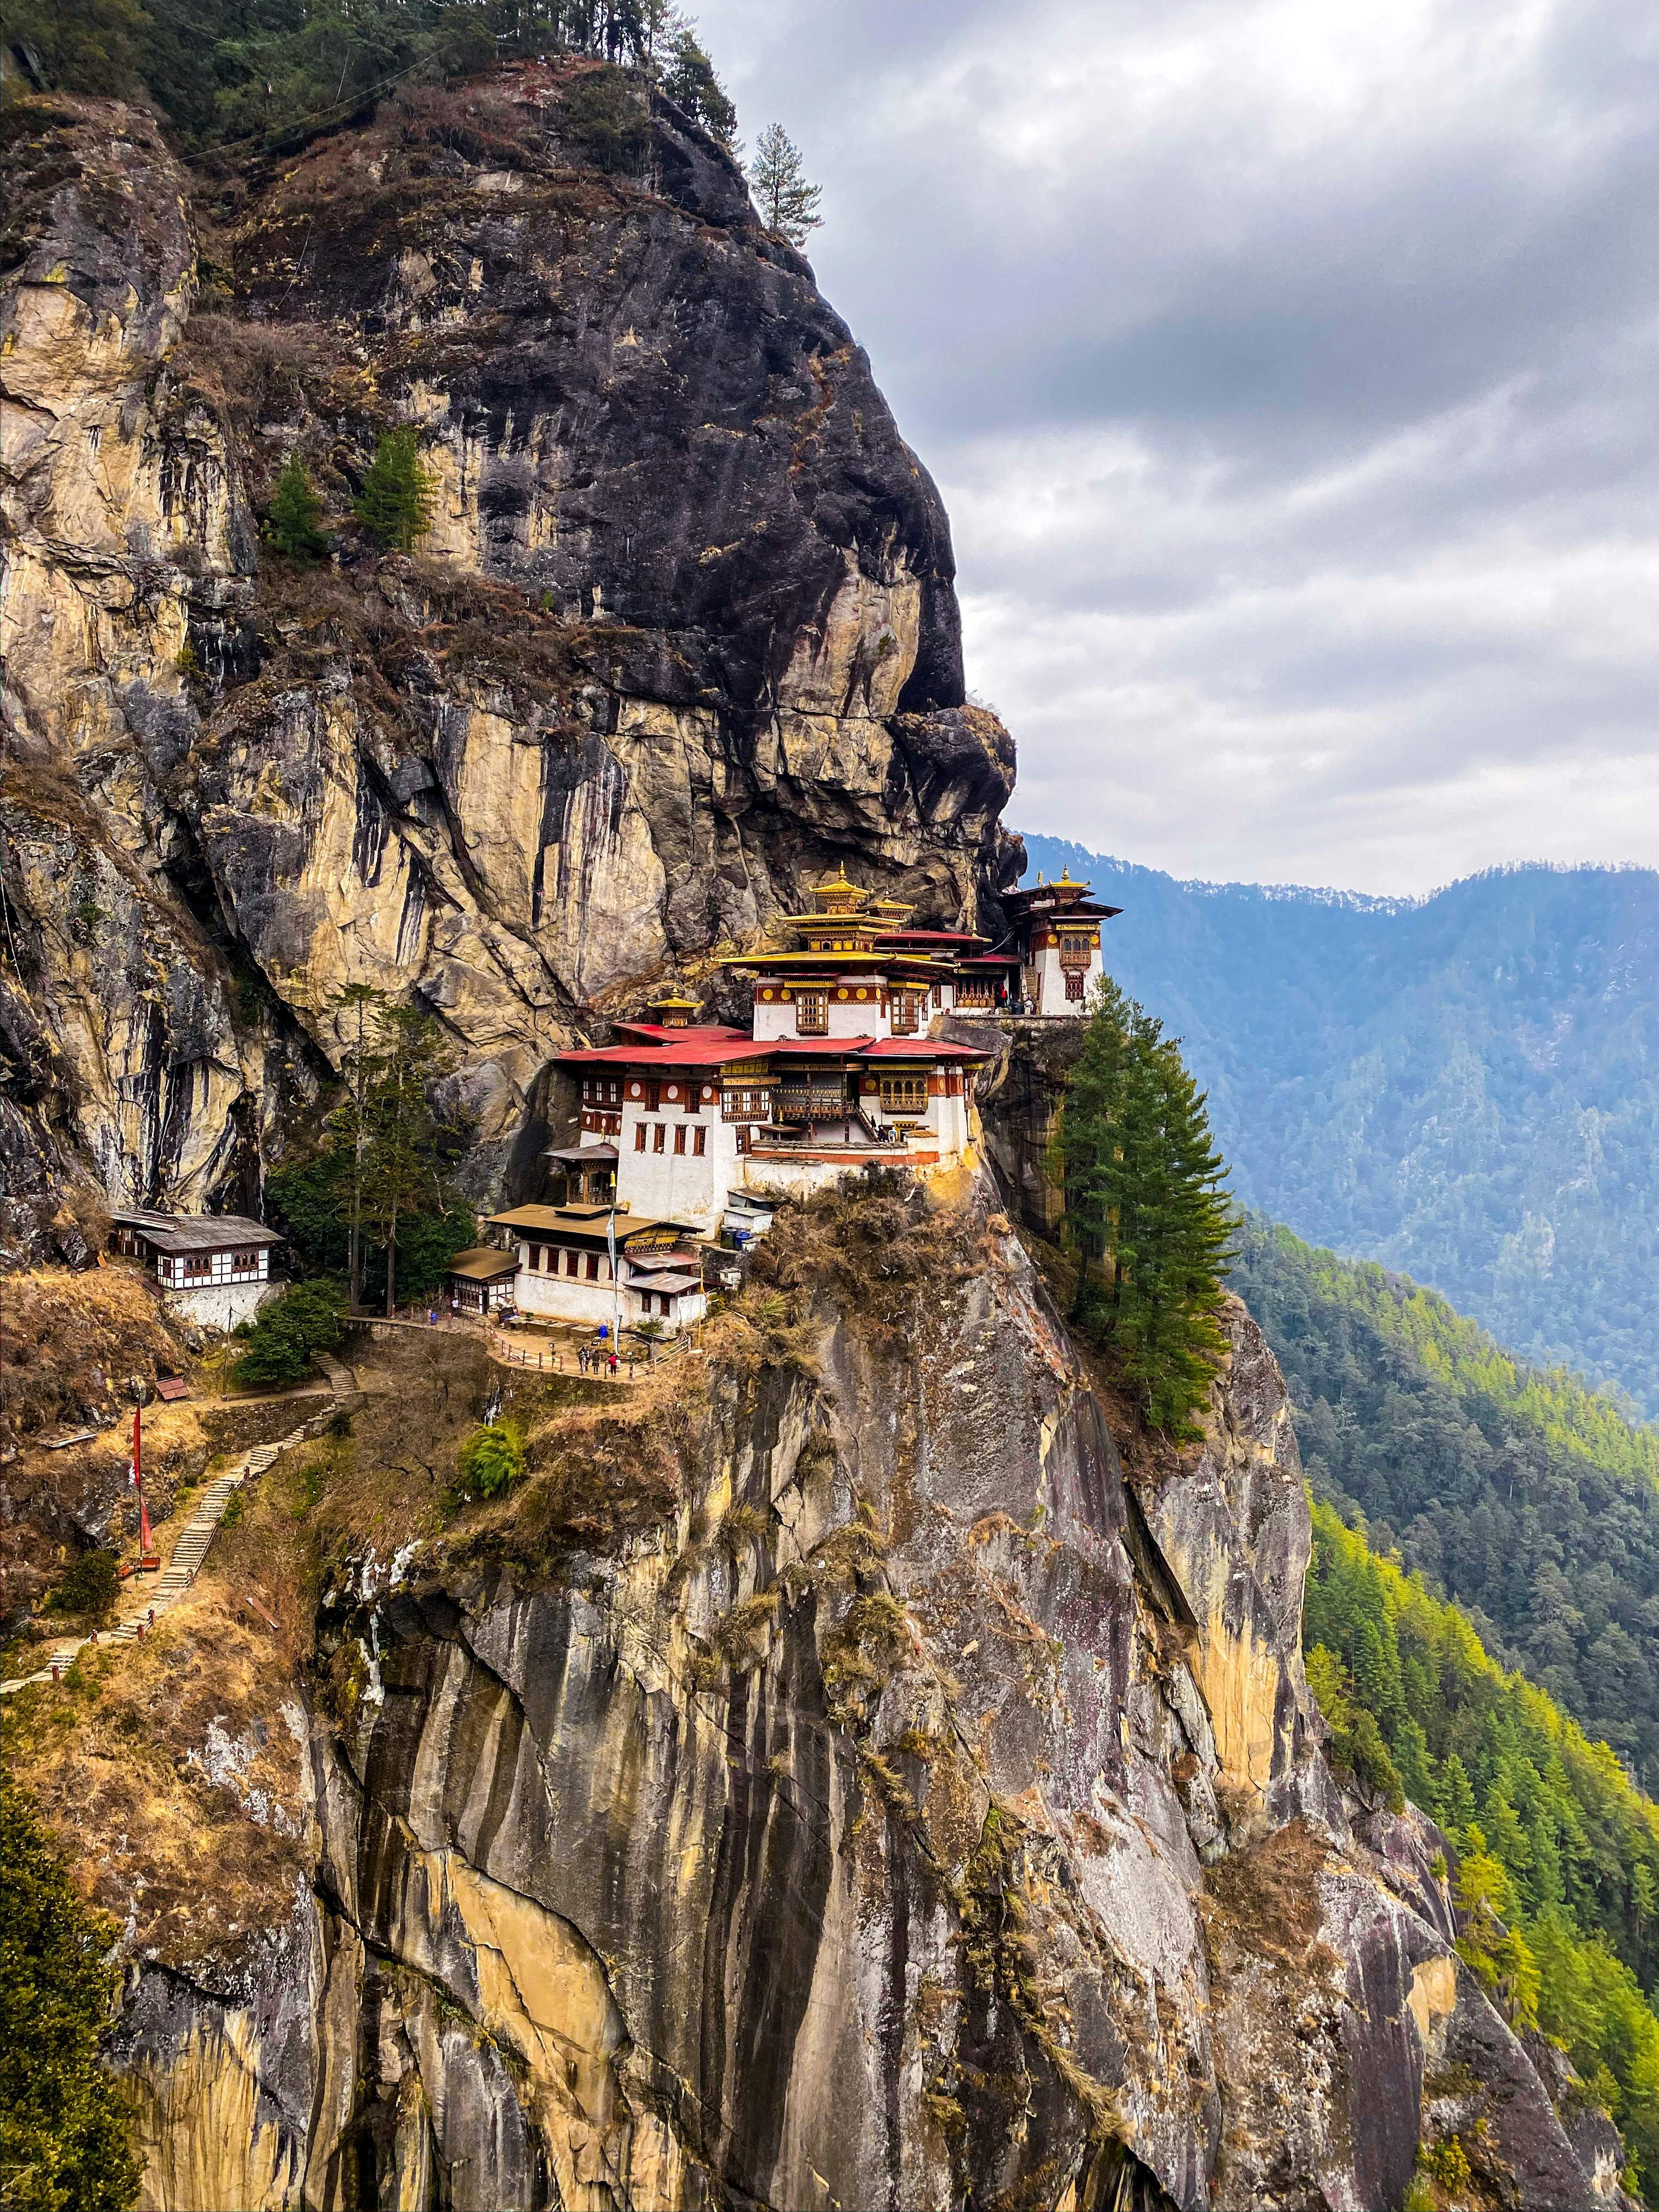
pixel 278 1345
pixel 88 1588
pixel 491 1458
pixel 606 122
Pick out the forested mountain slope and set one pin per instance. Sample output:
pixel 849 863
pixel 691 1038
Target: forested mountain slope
pixel 1517 1491
pixel 1466 1087
pixel 1559 1872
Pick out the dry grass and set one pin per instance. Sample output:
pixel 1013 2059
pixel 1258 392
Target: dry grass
pixel 1264 1902
pixel 70 1340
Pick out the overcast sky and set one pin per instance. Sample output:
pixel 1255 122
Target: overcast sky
pixel 1288 368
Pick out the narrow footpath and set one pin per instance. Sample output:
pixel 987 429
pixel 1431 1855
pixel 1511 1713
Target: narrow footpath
pixel 148 1600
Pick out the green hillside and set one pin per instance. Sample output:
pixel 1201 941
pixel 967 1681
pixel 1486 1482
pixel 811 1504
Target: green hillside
pixel 1465 1086
pixel 1555 1844
pixel 1519 1493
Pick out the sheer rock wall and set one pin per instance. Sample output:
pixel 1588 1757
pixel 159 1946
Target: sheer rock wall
pixel 996 1861
pixel 683 633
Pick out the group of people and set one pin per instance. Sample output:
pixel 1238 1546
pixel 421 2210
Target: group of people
pixel 601 1359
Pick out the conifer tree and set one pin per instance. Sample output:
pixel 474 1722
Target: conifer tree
pixel 398 494
pixel 1145 1213
pixel 408 1158
pixel 296 510
pixel 788 204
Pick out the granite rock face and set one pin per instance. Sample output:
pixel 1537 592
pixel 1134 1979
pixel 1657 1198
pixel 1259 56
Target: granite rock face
pixel 891 1818
pixel 683 633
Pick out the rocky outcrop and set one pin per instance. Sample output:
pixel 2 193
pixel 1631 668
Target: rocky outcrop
pixel 682 634
pixel 905 1809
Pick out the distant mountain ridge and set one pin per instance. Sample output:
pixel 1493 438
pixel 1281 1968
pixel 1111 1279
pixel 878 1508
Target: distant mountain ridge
pixel 1465 1086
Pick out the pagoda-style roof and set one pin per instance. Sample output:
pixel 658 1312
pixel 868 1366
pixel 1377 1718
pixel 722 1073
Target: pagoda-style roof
pixel 673 1011
pixel 937 940
pixel 1064 897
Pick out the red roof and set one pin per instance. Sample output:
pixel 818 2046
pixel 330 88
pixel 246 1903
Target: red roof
pixel 815 1048
pixel 991 960
pixel 917 1049
pixel 654 1033
pixel 689 1048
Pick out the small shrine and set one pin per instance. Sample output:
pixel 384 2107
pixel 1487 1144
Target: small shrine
pixel 1056 933
pixel 213 1266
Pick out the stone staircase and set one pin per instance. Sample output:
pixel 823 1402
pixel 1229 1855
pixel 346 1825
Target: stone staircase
pixel 195 1540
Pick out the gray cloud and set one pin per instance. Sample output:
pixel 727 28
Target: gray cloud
pixel 1289 371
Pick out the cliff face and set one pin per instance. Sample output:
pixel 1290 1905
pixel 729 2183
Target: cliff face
pixel 682 634
pixel 837 1778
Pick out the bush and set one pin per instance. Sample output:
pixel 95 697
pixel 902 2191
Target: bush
pixel 278 1345
pixel 491 1458
pixel 88 1588
pixel 64 2143
pixel 606 122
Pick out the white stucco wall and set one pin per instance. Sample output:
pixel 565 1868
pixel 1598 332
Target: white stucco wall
pixel 222 1305
pixel 676 1186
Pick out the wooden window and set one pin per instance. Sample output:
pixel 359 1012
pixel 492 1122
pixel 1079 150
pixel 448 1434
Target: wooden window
pixel 905 1012
pixel 652 1093
pixel 572 1260
pixel 679 1137
pixel 246 1263
pixel 700 1141
pixel 198 1264
pixel 813 1013
pixel 658 1135
pixel 592 1267
pixel 905 1094
pixel 638 1136
pixel 1075 979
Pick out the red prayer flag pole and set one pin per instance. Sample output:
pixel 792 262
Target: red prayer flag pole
pixel 144 1538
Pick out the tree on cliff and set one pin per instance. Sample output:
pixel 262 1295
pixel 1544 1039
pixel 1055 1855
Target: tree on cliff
pixel 411 1152
pixel 1145 1211
pixel 788 204
pixel 398 494
pixel 64 2144
pixel 690 80
pixel 296 511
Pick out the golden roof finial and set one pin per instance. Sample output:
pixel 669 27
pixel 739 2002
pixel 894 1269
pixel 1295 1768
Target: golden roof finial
pixel 1065 873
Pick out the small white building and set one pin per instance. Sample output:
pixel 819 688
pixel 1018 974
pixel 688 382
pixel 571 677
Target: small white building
pixel 213 1266
pixel 566 1270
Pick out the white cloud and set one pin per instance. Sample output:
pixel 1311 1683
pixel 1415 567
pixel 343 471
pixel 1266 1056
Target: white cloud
pixel 1287 370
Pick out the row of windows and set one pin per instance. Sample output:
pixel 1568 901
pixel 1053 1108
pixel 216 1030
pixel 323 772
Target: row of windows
pixel 659 1138
pixel 544 1259
pixel 202 1267
pixel 906 1009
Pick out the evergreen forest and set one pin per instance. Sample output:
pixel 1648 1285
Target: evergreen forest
pixel 1518 1491
pixel 1557 1873
pixel 1466 1086
pixel 262 74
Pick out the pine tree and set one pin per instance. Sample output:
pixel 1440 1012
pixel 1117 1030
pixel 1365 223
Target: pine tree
pixel 788 204
pixel 1144 1210
pixel 410 1152
pixel 358 1009
pixel 690 82
pixel 398 494
pixel 296 510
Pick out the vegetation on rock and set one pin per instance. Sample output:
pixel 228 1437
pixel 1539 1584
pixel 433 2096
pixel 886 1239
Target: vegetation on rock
pixel 398 494
pixel 64 2133
pixel 1145 1213
pixel 296 511
pixel 1518 1491
pixel 1559 1880
pixel 788 203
